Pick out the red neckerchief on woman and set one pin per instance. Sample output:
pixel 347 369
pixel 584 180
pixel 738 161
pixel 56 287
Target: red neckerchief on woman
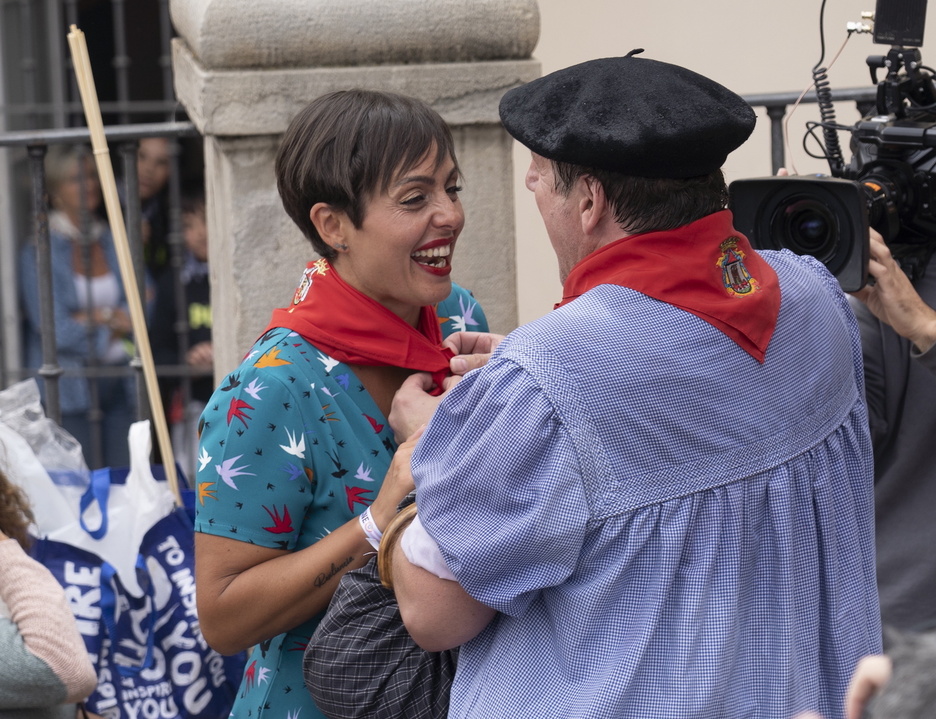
pixel 349 326
pixel 707 268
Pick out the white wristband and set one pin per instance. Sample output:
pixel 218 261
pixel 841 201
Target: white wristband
pixel 371 532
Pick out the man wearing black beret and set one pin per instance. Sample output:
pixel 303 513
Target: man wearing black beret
pixel 655 501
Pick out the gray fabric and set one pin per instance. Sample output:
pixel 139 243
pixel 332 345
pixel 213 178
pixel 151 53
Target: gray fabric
pixel 901 393
pixel 29 689
pixel 926 359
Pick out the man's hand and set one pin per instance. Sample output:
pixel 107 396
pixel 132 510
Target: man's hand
pixel 472 350
pixel 870 676
pixel 893 299
pixel 413 405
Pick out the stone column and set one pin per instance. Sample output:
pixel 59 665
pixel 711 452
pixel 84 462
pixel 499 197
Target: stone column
pixel 244 68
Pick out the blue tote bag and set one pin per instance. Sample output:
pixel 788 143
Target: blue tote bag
pixel 139 619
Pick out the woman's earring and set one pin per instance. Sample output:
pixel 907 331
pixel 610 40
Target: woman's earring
pixel 341 247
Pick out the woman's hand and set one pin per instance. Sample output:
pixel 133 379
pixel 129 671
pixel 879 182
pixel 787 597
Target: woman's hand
pixel 116 319
pixel 413 405
pixel 398 482
pixel 121 325
pixel 472 349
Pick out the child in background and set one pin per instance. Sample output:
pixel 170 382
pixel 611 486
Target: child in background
pixel 183 401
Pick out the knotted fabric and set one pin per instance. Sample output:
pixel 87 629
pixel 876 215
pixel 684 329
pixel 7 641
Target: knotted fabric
pixel 349 326
pixel 707 268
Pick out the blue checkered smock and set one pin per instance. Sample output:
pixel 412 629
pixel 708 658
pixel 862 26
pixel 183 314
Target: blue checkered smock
pixel 668 528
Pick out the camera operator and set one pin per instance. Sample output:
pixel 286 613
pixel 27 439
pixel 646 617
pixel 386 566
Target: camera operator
pixel 898 330
pixel 894 301
pixel 895 319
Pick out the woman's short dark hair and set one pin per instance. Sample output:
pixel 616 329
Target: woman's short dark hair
pixel 346 146
pixel 645 204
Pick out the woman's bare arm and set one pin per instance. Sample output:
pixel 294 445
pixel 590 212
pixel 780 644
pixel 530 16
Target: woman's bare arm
pixel 248 594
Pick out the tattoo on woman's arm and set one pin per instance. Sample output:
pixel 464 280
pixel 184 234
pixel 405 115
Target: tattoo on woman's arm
pixel 323 578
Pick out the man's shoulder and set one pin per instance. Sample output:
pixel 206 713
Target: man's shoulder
pixel 807 285
pixel 593 330
pixel 785 260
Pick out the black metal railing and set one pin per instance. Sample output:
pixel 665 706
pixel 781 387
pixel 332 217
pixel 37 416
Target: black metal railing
pixel 130 44
pixel 125 139
pixel 777 105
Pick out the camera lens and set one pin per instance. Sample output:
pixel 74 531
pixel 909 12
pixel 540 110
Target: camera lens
pixel 811 228
pixel 806 227
pixel 825 217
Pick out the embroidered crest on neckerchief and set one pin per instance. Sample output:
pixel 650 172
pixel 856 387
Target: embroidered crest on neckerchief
pixel 319 267
pixel 735 276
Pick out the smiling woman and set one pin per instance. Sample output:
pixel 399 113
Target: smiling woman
pixel 295 443
pixel 400 254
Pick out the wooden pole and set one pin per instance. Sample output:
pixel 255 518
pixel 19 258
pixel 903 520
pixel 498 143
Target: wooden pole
pixel 92 111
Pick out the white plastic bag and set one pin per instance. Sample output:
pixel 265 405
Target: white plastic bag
pixel 57 451
pixel 96 514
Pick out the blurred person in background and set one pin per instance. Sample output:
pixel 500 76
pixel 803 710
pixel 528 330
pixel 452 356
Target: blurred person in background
pixel 44 666
pixel 154 163
pixel 92 320
pixel 898 330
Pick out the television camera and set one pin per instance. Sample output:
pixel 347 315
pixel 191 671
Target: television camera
pixel 888 184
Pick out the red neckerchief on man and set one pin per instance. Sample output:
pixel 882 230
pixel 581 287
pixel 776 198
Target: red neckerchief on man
pixel 707 268
pixel 349 326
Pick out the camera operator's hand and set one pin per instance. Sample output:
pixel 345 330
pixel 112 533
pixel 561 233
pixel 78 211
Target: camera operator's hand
pixel 893 299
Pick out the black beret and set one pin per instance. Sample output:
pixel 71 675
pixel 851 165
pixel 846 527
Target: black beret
pixel 639 117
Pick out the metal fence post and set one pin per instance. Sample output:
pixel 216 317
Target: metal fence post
pixel 50 370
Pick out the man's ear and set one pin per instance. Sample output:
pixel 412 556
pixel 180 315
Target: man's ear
pixel 593 204
pixel 331 225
